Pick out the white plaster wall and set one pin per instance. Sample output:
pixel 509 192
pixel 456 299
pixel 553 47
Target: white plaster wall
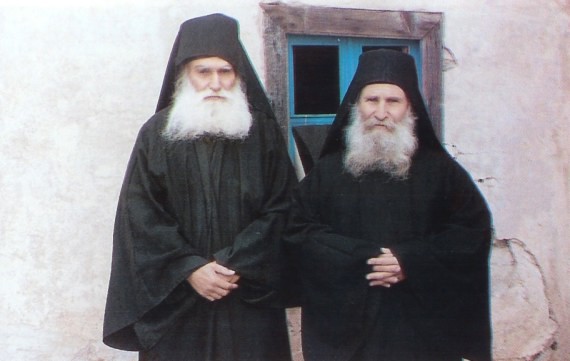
pixel 77 79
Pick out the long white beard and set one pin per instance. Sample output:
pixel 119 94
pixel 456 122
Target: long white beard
pixel 192 116
pixel 370 149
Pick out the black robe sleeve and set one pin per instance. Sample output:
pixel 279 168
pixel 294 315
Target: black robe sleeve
pixel 151 259
pixel 329 269
pixel 448 269
pixel 256 252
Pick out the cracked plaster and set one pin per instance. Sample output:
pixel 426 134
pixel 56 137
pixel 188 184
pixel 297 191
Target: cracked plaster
pixel 523 322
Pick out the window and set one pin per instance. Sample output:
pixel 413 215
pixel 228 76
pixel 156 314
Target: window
pixel 300 39
pixel 320 69
pixel 314 78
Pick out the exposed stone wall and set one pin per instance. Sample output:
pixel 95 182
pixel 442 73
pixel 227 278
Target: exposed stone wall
pixel 524 325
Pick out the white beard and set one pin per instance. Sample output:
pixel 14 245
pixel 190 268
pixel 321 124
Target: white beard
pixel 389 150
pixel 192 116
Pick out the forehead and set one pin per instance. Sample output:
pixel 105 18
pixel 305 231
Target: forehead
pixel 382 89
pixel 210 62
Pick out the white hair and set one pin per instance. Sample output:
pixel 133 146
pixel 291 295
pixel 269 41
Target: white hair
pixel 388 150
pixel 192 117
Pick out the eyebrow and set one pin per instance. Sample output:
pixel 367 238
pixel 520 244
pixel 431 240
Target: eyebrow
pixel 391 97
pixel 210 67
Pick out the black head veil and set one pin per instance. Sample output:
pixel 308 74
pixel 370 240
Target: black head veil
pixel 383 66
pixel 212 35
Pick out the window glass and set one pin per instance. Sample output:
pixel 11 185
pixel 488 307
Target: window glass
pixel 316 71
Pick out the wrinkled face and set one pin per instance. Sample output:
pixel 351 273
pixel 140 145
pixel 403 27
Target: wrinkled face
pixel 211 75
pixel 382 106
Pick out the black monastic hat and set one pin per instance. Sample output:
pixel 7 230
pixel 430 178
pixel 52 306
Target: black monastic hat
pixel 383 66
pixel 212 35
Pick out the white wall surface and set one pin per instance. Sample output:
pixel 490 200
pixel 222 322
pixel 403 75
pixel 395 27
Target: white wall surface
pixel 78 79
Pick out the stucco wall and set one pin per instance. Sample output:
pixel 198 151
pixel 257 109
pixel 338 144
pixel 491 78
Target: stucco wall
pixel 77 79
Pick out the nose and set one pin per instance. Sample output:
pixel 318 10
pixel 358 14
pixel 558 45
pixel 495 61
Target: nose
pixel 381 111
pixel 215 83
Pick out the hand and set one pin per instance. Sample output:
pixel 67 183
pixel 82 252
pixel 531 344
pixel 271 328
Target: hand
pixel 213 281
pixel 386 270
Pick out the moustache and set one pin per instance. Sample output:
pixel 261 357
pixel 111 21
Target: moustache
pixel 219 95
pixel 373 122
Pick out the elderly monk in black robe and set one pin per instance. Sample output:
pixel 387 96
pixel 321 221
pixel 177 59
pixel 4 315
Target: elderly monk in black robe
pixel 391 235
pixel 196 251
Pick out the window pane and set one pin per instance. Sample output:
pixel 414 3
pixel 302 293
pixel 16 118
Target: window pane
pixel 316 79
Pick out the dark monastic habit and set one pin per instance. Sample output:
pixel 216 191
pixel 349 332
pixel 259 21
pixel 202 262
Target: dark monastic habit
pixel 186 203
pixel 435 222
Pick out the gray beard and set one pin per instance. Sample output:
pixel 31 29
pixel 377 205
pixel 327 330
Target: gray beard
pixel 389 150
pixel 192 117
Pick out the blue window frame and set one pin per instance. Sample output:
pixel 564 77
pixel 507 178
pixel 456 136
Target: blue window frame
pixel 320 71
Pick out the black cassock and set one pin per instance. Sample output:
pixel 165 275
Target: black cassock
pixel 182 205
pixel 438 226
